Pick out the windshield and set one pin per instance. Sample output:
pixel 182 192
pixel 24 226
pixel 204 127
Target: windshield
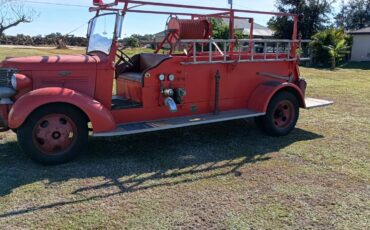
pixel 102 30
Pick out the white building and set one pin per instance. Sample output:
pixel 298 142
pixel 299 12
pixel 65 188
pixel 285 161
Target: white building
pixel 361 45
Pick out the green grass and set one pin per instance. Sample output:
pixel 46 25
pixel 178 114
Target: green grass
pixel 226 175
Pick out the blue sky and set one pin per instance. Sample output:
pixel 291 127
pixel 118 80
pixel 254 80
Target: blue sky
pixel 64 19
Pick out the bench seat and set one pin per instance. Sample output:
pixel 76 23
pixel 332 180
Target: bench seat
pixel 142 63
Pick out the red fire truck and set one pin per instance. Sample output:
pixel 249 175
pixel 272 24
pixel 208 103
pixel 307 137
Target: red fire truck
pixel 53 102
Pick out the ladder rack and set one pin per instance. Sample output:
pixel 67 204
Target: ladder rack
pixel 215 51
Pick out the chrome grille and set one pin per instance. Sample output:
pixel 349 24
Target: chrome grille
pixel 5 75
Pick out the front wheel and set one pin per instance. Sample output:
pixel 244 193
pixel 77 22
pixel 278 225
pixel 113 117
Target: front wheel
pixel 281 116
pixel 54 134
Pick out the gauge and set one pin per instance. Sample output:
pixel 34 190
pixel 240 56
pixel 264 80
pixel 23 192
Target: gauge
pixel 171 77
pixel 161 77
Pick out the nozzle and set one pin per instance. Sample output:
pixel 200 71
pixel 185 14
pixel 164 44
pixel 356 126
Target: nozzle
pixel 171 104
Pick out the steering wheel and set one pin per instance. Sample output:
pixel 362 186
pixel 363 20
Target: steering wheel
pixel 124 58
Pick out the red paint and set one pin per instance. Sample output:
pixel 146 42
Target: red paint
pixel 203 8
pixel 130 89
pixel 23 81
pixel 86 81
pixel 283 114
pixel 54 134
pixel 190 28
pixel 99 116
pixel 264 92
pixel 56 62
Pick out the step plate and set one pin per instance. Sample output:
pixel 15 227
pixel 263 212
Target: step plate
pixel 312 103
pixel 142 127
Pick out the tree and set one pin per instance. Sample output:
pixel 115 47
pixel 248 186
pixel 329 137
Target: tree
pixel 132 42
pixel 337 52
pixel 220 30
pixel 330 47
pixel 354 15
pixel 53 39
pixel 143 38
pixel 315 17
pixel 13 13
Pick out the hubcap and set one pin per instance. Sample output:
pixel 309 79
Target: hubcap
pixel 54 134
pixel 284 114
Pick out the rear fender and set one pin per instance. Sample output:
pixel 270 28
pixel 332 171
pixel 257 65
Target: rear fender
pixel 100 117
pixel 263 94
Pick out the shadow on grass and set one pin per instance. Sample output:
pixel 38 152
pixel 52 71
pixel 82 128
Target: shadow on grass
pixel 356 65
pixel 150 160
pixel 349 65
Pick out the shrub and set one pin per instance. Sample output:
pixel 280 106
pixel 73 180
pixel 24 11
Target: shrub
pixel 330 47
pixel 132 42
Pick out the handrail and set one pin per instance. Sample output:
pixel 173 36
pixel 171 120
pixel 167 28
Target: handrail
pixel 241 40
pixel 217 12
pixel 271 50
pixel 205 8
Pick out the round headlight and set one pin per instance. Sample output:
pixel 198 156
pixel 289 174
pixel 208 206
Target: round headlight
pixel 13 81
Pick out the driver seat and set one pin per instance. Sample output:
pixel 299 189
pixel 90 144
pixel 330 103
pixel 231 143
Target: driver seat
pixel 142 63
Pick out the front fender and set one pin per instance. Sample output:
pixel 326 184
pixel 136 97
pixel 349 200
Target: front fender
pixel 100 117
pixel 263 94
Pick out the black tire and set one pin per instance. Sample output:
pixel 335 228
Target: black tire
pixel 279 119
pixel 45 149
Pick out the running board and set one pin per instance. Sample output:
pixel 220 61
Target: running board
pixel 150 126
pixel 312 103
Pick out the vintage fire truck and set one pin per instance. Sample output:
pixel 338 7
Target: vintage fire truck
pixel 53 103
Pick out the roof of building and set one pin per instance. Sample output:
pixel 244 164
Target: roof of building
pixel 361 31
pixel 258 30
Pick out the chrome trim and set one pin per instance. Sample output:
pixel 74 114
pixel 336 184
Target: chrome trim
pixel 5 76
pixel 312 103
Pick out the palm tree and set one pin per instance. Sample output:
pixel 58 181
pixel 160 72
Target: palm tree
pixel 337 52
pixel 332 45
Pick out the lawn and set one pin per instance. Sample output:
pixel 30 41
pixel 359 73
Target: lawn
pixel 225 176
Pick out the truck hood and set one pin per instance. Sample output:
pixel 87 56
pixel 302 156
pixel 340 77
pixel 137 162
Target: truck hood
pixel 56 62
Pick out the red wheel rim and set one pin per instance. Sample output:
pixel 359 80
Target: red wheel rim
pixel 284 113
pixel 54 134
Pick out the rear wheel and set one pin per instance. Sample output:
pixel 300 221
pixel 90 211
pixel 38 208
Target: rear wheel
pixel 54 134
pixel 281 116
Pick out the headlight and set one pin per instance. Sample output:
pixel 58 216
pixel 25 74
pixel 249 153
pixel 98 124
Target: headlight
pixel 13 81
